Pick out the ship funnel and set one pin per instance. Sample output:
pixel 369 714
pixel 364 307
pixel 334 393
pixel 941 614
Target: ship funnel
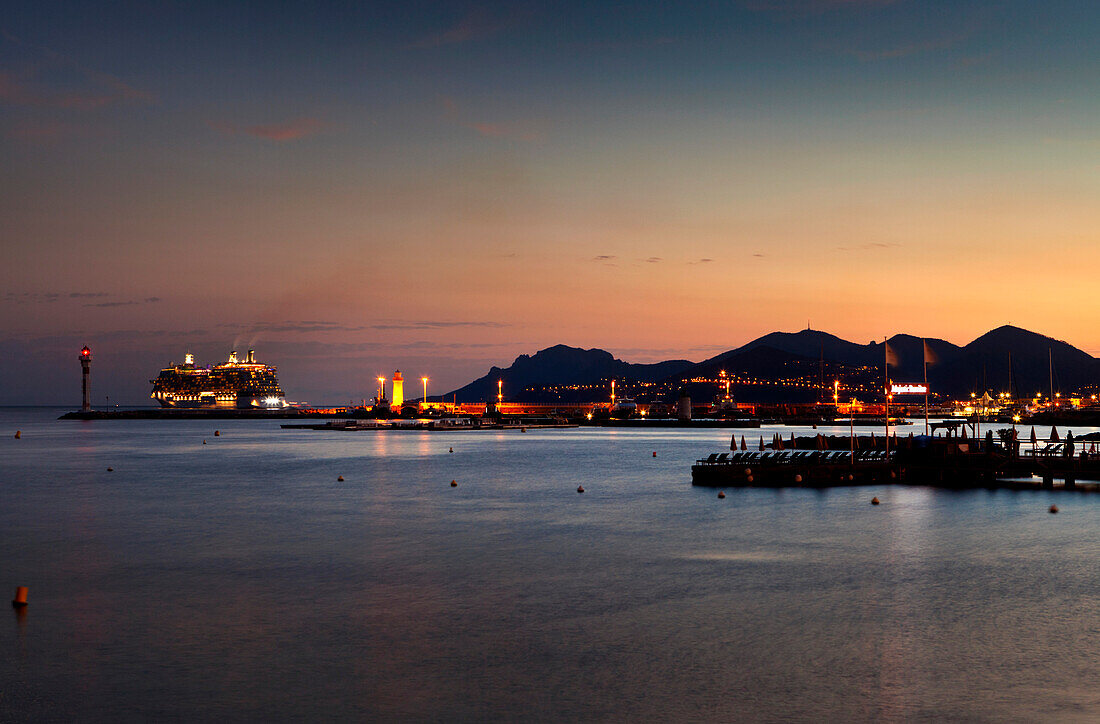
pixel 251 356
pixel 233 357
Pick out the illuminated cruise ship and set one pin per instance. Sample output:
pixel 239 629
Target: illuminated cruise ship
pixel 234 384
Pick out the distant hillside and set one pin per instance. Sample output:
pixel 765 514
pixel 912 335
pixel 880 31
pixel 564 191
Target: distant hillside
pixel 980 365
pixel 562 365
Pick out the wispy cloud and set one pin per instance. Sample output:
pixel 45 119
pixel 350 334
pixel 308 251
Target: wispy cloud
pixel 529 131
pixel 807 8
pixel 111 304
pixel 701 261
pixel 654 260
pixel 53 80
pixel 435 325
pixel 915 47
pixel 604 257
pixel 278 132
pixel 870 246
pixel 477 24
pixel 88 295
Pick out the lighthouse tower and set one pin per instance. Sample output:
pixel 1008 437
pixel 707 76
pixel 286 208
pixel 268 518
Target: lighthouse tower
pixel 86 371
pixel 398 397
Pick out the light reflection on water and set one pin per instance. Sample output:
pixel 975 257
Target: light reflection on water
pixel 241 580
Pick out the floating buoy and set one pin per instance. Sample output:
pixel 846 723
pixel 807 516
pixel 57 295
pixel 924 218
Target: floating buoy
pixel 217 433
pixel 1054 509
pixel 523 429
pixel 721 495
pixel 18 434
pixel 580 488
pixel 748 479
pixel 654 453
pixel 204 442
pixel 339 478
pixel 748 471
pixel 110 470
pixel 874 501
pixel 20 599
pixel 798 478
pixel 451 450
pixel 851 477
pixel 454 484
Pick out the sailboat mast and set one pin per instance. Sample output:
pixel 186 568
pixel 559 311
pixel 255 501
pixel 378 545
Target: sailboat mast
pixel 924 358
pixel 886 388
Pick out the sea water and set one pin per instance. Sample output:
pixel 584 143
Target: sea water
pixel 240 580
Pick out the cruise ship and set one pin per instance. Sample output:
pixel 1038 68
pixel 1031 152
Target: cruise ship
pixel 237 384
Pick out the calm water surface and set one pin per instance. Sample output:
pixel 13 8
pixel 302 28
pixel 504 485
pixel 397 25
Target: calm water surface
pixel 240 581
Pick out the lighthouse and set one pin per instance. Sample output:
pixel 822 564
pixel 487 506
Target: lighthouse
pixel 398 397
pixel 86 371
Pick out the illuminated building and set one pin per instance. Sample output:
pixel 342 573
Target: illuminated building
pixel 398 397
pixel 247 384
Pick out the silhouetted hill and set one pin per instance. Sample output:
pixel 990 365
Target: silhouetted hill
pixel 957 371
pixel 562 365
pixel 980 365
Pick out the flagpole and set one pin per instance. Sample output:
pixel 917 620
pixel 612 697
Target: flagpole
pixel 924 350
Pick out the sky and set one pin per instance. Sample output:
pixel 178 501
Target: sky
pixel 354 187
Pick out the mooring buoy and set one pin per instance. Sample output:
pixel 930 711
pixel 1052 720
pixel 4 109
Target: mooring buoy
pixel 110 470
pixel 654 453
pixel 874 501
pixel 454 484
pixel 1054 509
pixel 580 488
pixel 20 599
pixel 18 434
pixel 451 450
pixel 339 478
pixel 721 495
pixel 204 442
pixel 217 433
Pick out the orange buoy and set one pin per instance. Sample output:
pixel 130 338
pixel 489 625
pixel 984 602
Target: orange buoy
pixel 451 450
pixel 110 470
pixel 454 484
pixel 580 488
pixel 748 479
pixel 1054 509
pixel 721 495
pixel 339 478
pixel 18 434
pixel 874 501
pixel 20 599
pixel 654 453
pixel 798 478
pixel 204 442
pixel 217 433
pixel 851 477
pixel 748 471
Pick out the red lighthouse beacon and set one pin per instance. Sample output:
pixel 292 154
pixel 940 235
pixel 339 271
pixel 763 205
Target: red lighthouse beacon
pixel 86 370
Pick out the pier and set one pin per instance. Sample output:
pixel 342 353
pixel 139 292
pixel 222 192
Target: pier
pixel 940 462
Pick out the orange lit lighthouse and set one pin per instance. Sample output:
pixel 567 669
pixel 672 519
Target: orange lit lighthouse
pixel 398 397
pixel 86 371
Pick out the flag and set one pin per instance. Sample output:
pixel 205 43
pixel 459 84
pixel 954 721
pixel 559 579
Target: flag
pixel 930 357
pixel 891 355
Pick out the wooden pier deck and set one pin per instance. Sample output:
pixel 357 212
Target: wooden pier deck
pixel 940 464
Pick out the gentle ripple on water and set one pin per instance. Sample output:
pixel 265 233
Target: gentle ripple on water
pixel 240 580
